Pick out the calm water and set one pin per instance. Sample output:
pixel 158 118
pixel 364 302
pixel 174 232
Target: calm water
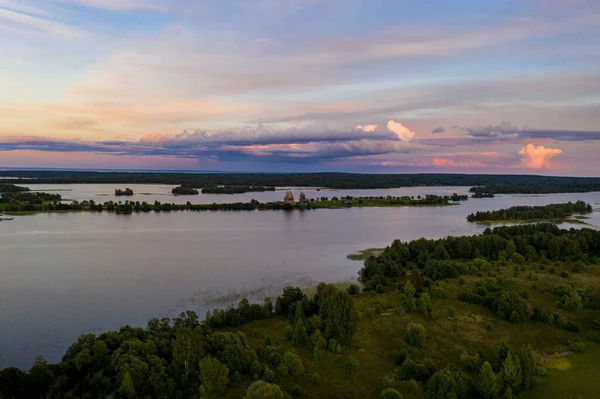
pixel 62 275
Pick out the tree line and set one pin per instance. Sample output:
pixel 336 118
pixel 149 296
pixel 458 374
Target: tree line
pixel 524 184
pixel 552 211
pixel 235 189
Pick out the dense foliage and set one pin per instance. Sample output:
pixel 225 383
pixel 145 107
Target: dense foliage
pixel 524 213
pixel 26 197
pixel 438 258
pixel 235 189
pixel 184 190
pixel 480 183
pixel 183 357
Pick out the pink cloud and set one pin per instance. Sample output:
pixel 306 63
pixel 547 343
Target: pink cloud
pixel 538 157
pixel 456 164
pixel 367 128
pixel 403 133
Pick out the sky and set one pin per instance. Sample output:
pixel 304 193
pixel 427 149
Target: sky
pixel 368 86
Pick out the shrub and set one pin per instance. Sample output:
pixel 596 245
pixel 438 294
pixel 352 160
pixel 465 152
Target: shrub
pixel 488 326
pixel 415 335
pixel 351 365
pixel 508 304
pixel 524 294
pixel 268 341
pixel 316 379
pixel 379 289
pixel 334 346
pixel 390 393
pixel 353 289
pixel 398 356
pixel 263 390
pixel 291 365
pixel 269 375
pixel 288 332
pixel 452 312
pixel 256 369
pixel 564 274
pixel 461 281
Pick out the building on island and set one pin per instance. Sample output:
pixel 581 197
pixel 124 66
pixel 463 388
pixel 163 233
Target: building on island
pixel 302 198
pixel 288 198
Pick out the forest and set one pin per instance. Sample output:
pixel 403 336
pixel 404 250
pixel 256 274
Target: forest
pixel 235 189
pixel 498 184
pixel 511 312
pixel 184 190
pixel 532 213
pixel 26 197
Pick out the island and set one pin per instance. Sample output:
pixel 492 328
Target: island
pixel 184 190
pixel 44 202
pixel 554 212
pixel 127 192
pixel 503 313
pixel 235 189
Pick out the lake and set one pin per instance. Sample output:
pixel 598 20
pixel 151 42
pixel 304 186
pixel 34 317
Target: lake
pixel 65 274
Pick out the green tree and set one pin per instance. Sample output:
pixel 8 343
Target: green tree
pixel 339 315
pixel 291 365
pixel 464 247
pixel 187 352
pixel 214 376
pixel 488 382
pixel 527 360
pixel 300 336
pixel 446 384
pixel 511 372
pixel 263 390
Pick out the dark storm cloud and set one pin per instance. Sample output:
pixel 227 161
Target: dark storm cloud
pixel 439 129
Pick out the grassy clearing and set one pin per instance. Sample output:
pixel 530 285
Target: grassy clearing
pixel 457 328
pixel 574 376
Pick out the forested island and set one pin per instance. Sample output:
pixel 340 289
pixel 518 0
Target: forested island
pixel 127 192
pixel 511 312
pixel 235 189
pixel 498 184
pixel 557 212
pixel 184 190
pixel 127 207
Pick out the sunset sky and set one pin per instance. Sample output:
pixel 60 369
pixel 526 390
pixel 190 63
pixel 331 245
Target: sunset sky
pixel 461 86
